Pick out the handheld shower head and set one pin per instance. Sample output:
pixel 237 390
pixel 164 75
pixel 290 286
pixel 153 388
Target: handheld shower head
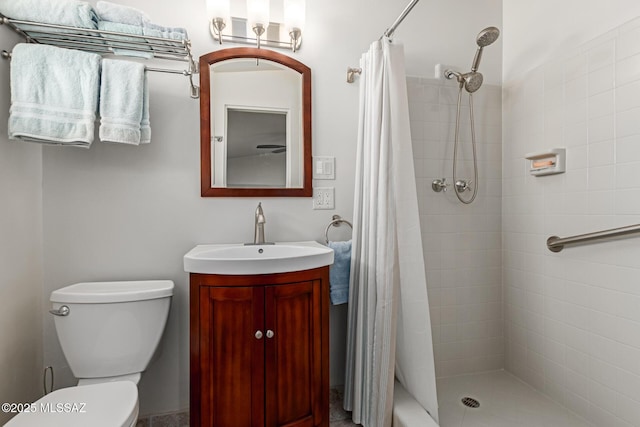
pixel 472 80
pixel 485 38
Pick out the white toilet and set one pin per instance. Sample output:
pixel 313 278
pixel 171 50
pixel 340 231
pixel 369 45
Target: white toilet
pixel 108 332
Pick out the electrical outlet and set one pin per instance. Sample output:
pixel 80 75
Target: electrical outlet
pixel 323 198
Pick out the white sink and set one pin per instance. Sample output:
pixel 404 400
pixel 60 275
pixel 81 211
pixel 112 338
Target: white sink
pixel 257 259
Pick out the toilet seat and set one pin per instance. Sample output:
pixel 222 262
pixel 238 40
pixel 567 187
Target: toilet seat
pixel 113 404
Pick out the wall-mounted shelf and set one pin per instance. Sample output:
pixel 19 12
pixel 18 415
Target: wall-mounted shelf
pixel 108 43
pixel 549 162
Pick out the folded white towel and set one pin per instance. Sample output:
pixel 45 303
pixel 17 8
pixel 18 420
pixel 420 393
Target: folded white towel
pixel 119 27
pixel 54 94
pixel 72 13
pixel 113 12
pixel 120 43
pixel 122 94
pixel 170 33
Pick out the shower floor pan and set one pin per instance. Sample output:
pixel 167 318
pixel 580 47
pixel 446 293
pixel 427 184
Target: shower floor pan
pixel 504 401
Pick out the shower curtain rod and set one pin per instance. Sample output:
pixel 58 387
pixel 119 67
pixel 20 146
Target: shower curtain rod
pixel 352 71
pixel 389 31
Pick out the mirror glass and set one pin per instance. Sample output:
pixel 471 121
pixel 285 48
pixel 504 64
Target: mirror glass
pixel 255 124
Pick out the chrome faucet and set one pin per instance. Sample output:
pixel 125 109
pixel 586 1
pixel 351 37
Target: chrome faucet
pixel 258 238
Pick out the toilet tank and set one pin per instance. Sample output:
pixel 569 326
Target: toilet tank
pixel 112 328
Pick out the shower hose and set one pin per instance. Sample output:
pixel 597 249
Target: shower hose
pixel 455 153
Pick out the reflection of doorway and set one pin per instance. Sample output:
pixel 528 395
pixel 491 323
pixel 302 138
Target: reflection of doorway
pixel 256 148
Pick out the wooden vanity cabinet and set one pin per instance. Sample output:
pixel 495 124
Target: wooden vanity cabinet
pixel 260 349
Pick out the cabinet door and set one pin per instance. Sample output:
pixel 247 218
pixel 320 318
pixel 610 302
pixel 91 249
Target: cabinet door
pixel 294 355
pixel 231 356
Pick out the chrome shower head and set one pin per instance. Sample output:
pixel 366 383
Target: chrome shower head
pixel 472 81
pixel 485 38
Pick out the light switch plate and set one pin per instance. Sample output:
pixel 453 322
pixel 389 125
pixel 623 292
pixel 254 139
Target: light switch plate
pixel 324 167
pixel 323 198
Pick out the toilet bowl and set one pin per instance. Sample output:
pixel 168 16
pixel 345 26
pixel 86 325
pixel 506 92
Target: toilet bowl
pixel 113 404
pixel 108 332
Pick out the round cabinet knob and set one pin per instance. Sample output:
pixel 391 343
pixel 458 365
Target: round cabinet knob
pixel 270 333
pixel 259 334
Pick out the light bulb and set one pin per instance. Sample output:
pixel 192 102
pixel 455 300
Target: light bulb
pixel 218 9
pixel 294 14
pixel 258 13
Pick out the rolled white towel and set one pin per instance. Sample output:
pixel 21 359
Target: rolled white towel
pixel 113 12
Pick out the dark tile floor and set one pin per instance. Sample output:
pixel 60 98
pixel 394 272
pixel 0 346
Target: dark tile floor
pixel 338 417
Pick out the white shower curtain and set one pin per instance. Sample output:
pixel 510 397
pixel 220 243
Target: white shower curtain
pixel 389 328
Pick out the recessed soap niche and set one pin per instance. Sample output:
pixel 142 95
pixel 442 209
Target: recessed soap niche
pixel 549 162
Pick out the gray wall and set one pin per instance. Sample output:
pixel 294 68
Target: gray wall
pixel 20 259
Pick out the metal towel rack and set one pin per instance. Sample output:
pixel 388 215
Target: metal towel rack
pixel 107 42
pixel 556 244
pixel 336 221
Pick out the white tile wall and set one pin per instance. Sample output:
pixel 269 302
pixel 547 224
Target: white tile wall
pixel 462 243
pixel 572 319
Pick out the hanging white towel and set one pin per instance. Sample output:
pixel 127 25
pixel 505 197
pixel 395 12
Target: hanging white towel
pixel 122 101
pixel 54 95
pixel 145 124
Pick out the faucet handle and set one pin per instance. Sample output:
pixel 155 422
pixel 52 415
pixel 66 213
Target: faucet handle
pixel 260 214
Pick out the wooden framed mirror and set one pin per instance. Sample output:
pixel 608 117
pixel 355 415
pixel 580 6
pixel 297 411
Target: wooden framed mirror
pixel 255 124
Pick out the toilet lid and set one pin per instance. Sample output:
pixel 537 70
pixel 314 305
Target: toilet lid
pixel 113 404
pixel 108 292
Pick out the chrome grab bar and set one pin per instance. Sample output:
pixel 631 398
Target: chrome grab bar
pixel 556 244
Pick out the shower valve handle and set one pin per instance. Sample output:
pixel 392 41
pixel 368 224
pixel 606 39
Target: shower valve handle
pixel 439 185
pixel 463 185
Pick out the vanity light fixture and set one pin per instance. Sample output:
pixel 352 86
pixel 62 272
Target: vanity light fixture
pixel 237 29
pixel 219 13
